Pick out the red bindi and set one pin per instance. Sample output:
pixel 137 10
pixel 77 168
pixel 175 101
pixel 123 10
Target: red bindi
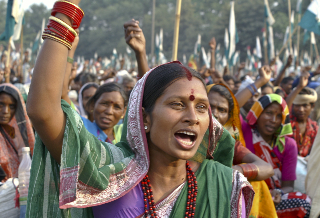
pixel 192 96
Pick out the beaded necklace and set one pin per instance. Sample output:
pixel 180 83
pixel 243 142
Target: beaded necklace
pixel 192 195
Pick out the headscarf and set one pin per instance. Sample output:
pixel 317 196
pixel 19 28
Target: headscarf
pixel 233 124
pixel 83 112
pixel 9 150
pixel 285 128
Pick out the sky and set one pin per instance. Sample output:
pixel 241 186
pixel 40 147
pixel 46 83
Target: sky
pixel 26 3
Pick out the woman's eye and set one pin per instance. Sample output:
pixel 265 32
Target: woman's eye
pixel 177 104
pixel 202 108
pixel 222 110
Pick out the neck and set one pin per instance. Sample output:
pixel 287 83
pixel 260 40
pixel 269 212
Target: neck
pixel 109 133
pixel 165 173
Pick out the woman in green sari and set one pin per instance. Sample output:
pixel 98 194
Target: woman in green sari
pixel 147 173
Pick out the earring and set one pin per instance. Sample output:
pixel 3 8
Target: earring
pixel 121 117
pixel 145 127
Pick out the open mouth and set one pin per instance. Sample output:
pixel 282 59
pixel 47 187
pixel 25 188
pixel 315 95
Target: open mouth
pixel 186 138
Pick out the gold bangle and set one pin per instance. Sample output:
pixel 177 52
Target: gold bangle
pixel 57 40
pixel 72 4
pixel 64 24
pixel 48 36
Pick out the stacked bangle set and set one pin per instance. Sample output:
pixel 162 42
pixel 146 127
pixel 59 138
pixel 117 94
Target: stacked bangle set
pixel 60 31
pixel 253 88
pixel 250 171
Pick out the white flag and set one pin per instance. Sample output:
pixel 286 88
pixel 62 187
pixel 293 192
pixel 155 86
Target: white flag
pixel 270 18
pixel 312 38
pixel 18 26
pixel 42 29
pixel 258 48
pixel 232 31
pixel 271 43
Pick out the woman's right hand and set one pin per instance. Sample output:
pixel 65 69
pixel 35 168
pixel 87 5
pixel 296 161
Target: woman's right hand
pixel 134 36
pixel 276 196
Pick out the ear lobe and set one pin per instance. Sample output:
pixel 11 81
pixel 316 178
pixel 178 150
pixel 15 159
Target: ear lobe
pixel 146 120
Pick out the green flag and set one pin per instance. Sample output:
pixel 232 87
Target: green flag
pixel 310 20
pixel 11 19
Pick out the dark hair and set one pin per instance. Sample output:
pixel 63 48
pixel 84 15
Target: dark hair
pixel 161 78
pixel 89 86
pixel 88 77
pixel 105 88
pixel 237 82
pixel 228 77
pixel 279 91
pixel 78 77
pixel 287 79
pixel 267 85
pixel 224 92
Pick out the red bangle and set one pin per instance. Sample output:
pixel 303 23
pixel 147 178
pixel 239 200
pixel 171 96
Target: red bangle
pixel 71 10
pixel 250 171
pixel 63 30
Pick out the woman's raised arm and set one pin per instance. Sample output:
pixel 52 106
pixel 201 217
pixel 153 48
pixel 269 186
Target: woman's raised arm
pixel 44 100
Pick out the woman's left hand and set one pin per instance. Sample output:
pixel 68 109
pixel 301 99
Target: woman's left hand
pixel 276 196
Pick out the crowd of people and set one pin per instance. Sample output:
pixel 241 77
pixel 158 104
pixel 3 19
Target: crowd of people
pixel 159 141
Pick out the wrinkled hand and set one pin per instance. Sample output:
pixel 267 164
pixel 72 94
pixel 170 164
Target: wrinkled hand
pixel 276 196
pixel 289 61
pixel 273 61
pixel 304 79
pixel 134 36
pixel 242 66
pixel 265 73
pixel 213 43
pixel 317 72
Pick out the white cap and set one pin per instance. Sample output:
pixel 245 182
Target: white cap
pixel 26 149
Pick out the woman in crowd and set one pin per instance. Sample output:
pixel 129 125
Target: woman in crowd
pixel 267 89
pixel 147 172
pixel 108 105
pixel 267 135
pixel 85 93
pixel 15 129
pixel 225 109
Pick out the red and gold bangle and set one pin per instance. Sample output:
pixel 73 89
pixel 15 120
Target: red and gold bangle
pixel 69 9
pixel 64 31
pixel 57 34
pixel 63 24
pixel 54 38
pixel 250 171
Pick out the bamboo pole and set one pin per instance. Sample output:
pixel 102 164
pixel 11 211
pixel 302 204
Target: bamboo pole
pixel 152 28
pixel 311 52
pixel 289 13
pixel 7 77
pixel 176 31
pixel 317 53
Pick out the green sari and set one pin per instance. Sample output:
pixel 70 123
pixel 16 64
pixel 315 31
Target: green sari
pixel 93 173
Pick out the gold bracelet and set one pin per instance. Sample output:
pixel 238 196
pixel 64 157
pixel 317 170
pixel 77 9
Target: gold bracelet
pixel 72 4
pixel 48 36
pixel 64 24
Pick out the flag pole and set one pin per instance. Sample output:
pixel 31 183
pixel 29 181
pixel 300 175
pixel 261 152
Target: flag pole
pixel 7 78
pixel 21 54
pixel 265 44
pixel 285 45
pixel 289 13
pixel 152 28
pixel 298 36
pixel 317 53
pixel 176 31
pixel 311 52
